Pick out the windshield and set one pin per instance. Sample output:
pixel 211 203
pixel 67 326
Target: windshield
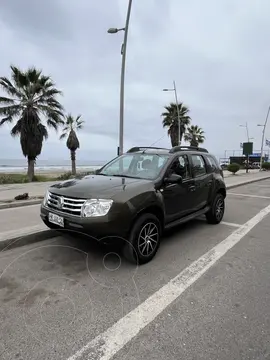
pixel 141 166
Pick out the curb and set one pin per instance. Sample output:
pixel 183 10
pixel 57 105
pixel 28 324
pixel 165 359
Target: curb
pixel 20 203
pixel 33 236
pixel 251 181
pixel 38 233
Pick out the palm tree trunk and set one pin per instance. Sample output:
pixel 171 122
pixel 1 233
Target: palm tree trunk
pixel 174 138
pixel 194 143
pixel 73 161
pixel 182 132
pixel 31 169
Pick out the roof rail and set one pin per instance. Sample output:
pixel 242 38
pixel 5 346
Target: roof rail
pixel 142 148
pixel 187 148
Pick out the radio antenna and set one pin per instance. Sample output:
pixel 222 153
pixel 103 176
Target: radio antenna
pixel 158 140
pixel 155 142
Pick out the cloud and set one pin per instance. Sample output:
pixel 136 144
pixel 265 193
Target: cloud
pixel 216 51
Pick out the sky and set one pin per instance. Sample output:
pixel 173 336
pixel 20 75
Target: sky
pixel 216 51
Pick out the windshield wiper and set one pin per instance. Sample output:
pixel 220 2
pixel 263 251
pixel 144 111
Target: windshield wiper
pixel 123 175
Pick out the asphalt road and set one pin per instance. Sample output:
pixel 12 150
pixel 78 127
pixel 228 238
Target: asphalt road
pixel 58 296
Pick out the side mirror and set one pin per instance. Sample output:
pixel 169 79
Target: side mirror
pixel 97 171
pixel 173 179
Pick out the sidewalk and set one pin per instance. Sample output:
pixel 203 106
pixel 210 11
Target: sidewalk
pixel 16 223
pixel 8 192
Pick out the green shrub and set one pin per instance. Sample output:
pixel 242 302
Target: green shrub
pixel 87 173
pixel 233 168
pixel 266 165
pixel 13 179
pixel 66 176
pixel 22 178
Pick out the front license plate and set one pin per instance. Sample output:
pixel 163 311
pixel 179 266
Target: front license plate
pixel 55 219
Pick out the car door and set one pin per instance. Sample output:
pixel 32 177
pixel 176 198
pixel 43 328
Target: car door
pixel 202 181
pixel 178 198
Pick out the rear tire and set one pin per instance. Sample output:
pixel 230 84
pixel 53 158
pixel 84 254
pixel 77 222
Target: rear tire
pixel 144 240
pixel 216 213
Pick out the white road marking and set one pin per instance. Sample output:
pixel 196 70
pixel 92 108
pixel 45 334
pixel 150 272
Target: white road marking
pixel 222 222
pixel 250 195
pixel 230 224
pixel 107 344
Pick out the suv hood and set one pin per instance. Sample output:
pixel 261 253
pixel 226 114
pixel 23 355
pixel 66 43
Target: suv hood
pixel 99 186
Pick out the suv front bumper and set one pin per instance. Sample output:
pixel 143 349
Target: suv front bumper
pixel 111 226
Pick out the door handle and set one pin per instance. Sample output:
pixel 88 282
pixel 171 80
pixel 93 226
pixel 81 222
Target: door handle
pixel 192 188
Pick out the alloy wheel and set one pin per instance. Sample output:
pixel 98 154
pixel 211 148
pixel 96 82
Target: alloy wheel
pixel 148 239
pixel 219 209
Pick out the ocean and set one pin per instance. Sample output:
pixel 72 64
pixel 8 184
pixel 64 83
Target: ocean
pixel 46 166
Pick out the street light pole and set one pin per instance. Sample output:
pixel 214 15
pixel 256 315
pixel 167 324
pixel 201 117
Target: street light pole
pixel 263 134
pixel 247 131
pixel 246 126
pixel 122 81
pixel 248 139
pixel 178 113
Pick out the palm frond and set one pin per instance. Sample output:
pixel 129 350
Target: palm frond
pixel 5 100
pixel 7 119
pixel 16 130
pixel 19 78
pixel 63 136
pixel 8 87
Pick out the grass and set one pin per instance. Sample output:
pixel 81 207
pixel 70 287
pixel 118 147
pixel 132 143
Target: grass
pixel 22 178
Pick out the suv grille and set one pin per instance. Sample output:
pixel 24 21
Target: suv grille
pixel 64 204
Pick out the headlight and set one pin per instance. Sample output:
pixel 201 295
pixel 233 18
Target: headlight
pixel 96 207
pixel 45 200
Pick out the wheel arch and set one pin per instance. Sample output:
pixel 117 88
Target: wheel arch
pixel 151 209
pixel 222 191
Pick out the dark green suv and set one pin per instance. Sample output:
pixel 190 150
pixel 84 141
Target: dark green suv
pixel 138 195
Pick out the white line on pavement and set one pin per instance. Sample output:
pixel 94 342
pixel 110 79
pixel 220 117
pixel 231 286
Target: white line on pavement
pixel 222 222
pixel 107 344
pixel 249 195
pixel 230 224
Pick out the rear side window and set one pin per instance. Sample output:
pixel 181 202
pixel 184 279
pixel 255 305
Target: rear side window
pixel 212 162
pixel 198 165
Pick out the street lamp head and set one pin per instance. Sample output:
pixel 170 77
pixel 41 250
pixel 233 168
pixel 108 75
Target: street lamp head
pixel 260 125
pixel 165 90
pixel 112 30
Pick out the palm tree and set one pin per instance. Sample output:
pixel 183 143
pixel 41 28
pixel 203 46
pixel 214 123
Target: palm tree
pixel 194 135
pixel 170 121
pixel 31 96
pixel 69 131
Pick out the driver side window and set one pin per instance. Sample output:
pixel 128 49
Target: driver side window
pixel 180 166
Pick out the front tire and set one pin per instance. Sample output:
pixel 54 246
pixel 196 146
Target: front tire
pixel 216 212
pixel 144 240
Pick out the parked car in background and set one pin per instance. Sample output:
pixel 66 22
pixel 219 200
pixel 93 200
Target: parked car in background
pixel 138 195
pixel 224 165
